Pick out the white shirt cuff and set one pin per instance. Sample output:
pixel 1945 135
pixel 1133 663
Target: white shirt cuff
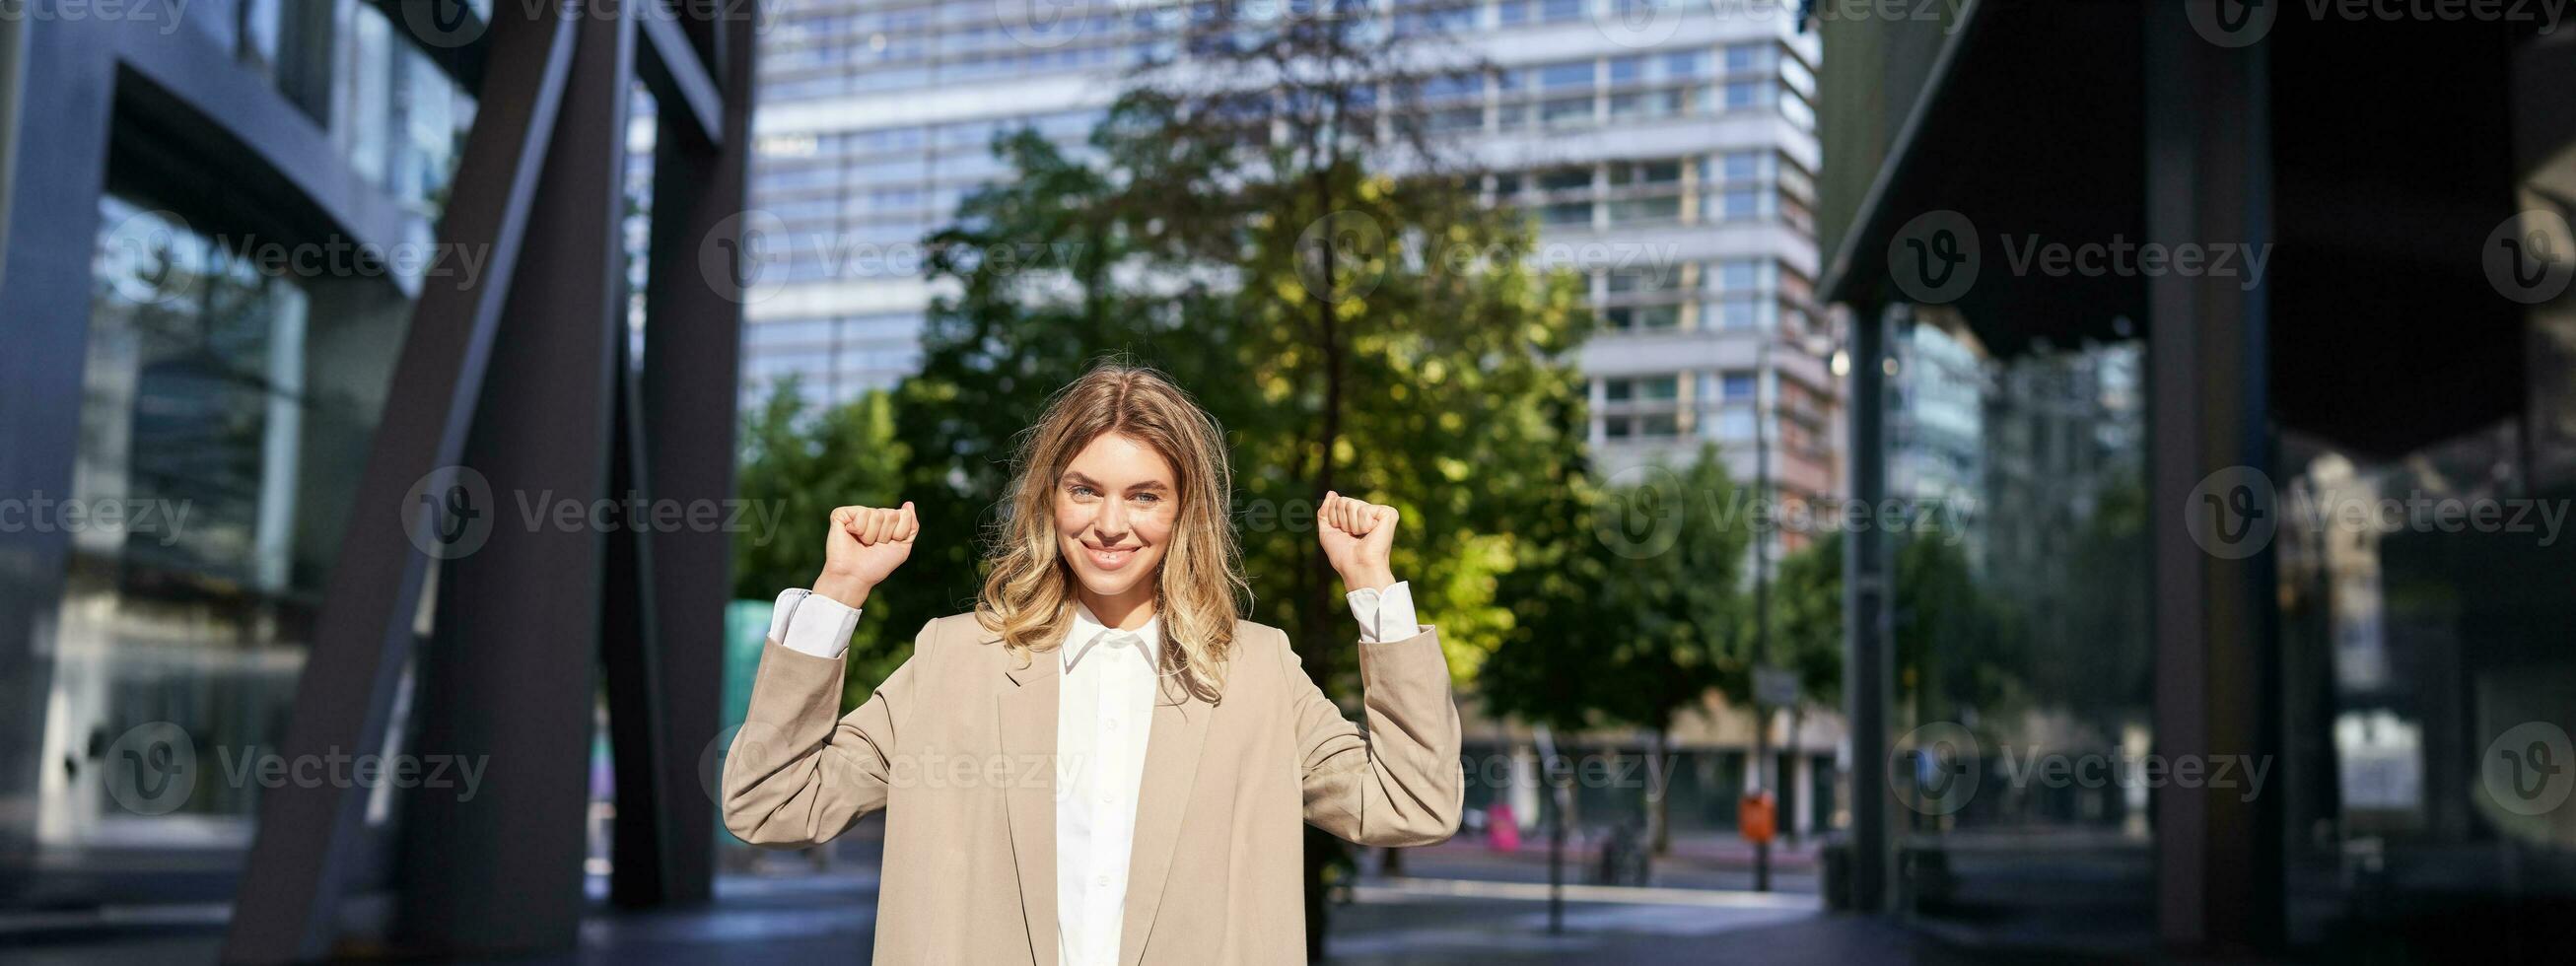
pixel 1384 615
pixel 809 623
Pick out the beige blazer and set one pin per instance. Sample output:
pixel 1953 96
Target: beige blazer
pixel 958 747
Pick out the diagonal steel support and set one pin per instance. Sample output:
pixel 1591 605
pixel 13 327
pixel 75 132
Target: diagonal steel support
pixel 679 79
pixel 310 837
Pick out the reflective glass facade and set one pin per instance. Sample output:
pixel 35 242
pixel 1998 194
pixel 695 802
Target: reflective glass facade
pixel 231 365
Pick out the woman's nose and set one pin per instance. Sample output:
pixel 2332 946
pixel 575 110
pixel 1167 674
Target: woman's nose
pixel 1112 521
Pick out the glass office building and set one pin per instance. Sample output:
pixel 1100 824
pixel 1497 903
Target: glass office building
pixel 2279 667
pixel 188 411
pixel 1667 150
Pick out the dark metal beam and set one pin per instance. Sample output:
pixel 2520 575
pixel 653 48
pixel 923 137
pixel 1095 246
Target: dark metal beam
pixel 679 79
pixel 1869 588
pixel 53 211
pixel 643 847
pixel 513 682
pixel 294 877
pixel 692 340
pixel 2208 170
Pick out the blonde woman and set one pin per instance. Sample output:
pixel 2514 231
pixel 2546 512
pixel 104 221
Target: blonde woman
pixel 1103 763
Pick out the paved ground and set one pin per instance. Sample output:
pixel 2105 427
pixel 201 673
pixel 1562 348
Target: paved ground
pixel 1457 904
pixel 1704 863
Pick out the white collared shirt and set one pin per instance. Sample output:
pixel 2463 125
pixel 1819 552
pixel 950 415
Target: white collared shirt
pixel 1104 722
pixel 1104 716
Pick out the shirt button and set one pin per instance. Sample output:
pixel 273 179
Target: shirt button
pixel 1103 880
pixel 1113 724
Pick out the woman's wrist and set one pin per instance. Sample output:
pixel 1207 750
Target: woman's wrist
pixel 1379 578
pixel 850 592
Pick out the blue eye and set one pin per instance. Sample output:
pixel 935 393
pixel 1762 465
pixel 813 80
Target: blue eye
pixel 1150 497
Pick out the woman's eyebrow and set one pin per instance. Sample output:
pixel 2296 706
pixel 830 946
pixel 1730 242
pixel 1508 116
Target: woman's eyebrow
pixel 1071 476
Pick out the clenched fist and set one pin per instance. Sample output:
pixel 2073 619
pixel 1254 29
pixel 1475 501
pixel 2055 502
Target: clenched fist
pixel 1357 536
pixel 862 547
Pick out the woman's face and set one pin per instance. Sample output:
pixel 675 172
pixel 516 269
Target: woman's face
pixel 1115 507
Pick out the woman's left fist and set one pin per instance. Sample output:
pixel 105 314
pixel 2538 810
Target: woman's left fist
pixel 1357 536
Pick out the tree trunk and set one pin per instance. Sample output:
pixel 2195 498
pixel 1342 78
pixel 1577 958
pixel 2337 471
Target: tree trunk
pixel 1323 662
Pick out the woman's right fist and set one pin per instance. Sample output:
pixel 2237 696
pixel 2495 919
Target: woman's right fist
pixel 864 545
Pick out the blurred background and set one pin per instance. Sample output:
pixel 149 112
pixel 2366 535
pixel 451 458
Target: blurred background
pixel 1945 481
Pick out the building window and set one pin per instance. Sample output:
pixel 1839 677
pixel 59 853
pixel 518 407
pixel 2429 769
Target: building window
pixel 1736 387
pixel 1642 389
pixel 246 395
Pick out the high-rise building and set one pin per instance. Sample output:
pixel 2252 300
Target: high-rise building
pixel 1666 149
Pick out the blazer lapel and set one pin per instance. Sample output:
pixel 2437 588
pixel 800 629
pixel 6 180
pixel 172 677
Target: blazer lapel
pixel 1027 710
pixel 1171 772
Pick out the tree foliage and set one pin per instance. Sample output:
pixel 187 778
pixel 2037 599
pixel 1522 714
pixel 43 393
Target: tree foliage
pixel 1640 609
pixel 1957 643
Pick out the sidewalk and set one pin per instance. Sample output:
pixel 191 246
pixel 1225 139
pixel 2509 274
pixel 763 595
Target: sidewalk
pixel 1497 917
pixel 1696 862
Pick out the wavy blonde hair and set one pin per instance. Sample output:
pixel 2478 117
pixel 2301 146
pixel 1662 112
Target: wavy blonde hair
pixel 1028 595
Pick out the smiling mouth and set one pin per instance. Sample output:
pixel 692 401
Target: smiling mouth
pixel 1109 559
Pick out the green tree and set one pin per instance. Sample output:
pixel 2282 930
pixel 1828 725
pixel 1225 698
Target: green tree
pixel 799 462
pixel 1639 618
pixel 1957 644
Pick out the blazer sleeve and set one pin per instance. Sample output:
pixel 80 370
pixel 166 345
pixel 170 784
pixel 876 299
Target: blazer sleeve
pixel 795 776
pixel 1396 782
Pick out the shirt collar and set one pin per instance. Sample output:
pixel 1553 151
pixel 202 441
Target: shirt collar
pixel 1088 629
